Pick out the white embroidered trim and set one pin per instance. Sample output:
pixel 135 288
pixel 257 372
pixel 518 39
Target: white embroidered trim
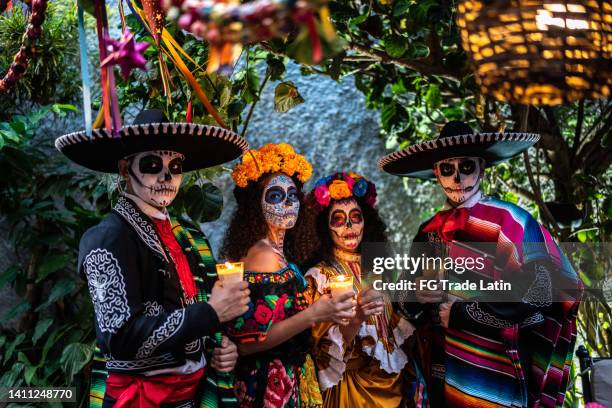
pixel 143 228
pixel 483 317
pixel 139 364
pixel 394 361
pixel 193 346
pixel 319 278
pixel 107 289
pixel 332 375
pixel 539 293
pixel 152 309
pixel 533 319
pixel 172 324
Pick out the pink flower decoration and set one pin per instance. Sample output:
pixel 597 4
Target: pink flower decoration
pixel 322 195
pixel 280 386
pixel 349 180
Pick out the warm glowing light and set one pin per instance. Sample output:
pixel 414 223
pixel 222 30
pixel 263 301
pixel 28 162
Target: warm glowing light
pixel 230 271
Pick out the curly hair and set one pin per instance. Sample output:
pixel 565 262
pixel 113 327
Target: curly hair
pixel 248 225
pixel 374 230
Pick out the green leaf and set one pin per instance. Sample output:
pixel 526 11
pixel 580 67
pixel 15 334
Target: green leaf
pixel 276 67
pixel 10 349
pixel 60 289
pixel 2 341
pixel 74 358
pixel 12 377
pixel 203 203
pixel 29 373
pixel 51 265
pixel 387 113
pixel 286 96
pixel 17 310
pixel 400 7
pixel 9 275
pixel 395 45
pixel 41 328
pixel 432 97
pixel 418 50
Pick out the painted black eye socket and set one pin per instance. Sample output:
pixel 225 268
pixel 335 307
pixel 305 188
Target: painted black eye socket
pixel 467 167
pixel 176 166
pixel 292 195
pixel 274 195
pixel 446 169
pixel 356 216
pixel 151 164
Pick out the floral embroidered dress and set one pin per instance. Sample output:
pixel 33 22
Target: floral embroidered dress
pixel 370 371
pixel 283 376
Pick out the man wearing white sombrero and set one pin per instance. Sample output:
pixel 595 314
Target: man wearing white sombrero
pixel 508 347
pixel 151 278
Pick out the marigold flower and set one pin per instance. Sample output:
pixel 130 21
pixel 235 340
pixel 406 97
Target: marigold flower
pixel 338 190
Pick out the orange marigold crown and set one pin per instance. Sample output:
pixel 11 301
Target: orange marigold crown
pixel 271 158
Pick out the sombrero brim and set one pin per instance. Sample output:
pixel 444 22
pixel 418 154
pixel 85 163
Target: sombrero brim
pixel 417 160
pixel 202 145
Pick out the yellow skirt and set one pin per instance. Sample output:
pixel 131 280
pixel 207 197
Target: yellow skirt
pixel 365 384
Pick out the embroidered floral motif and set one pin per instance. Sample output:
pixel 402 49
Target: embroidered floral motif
pixel 263 313
pixel 107 289
pixel 280 386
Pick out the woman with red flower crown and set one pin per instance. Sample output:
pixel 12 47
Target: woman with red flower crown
pixel 275 369
pixel 360 364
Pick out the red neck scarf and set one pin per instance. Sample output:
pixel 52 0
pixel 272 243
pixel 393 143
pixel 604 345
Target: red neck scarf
pixel 164 229
pixel 447 223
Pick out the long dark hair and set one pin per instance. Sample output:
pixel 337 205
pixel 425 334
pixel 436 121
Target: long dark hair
pixel 374 230
pixel 248 225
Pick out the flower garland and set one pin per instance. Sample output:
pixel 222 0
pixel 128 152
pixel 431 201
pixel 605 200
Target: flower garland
pixel 227 25
pixel 27 49
pixel 342 185
pixel 271 158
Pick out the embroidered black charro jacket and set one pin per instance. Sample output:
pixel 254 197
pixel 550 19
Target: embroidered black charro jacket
pixel 143 321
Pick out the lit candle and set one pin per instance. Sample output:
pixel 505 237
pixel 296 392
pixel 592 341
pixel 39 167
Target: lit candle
pixel 340 285
pixel 230 271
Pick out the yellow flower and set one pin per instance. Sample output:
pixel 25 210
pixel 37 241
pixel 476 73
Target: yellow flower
pixel 339 190
pixel 272 158
pixel 239 176
pixel 285 149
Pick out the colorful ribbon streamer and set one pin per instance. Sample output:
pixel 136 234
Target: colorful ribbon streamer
pixel 85 79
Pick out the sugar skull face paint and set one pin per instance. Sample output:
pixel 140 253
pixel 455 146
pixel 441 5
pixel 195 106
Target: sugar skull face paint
pixel 346 224
pixel 156 176
pixel 280 202
pixel 459 177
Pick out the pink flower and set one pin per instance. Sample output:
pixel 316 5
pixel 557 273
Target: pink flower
pixel 280 386
pixel 322 195
pixel 349 180
pixel 263 314
pixel 279 310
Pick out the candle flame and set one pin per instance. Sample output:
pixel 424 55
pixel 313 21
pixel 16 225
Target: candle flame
pixel 228 264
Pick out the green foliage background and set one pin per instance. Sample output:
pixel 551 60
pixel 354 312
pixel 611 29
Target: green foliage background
pixel 403 55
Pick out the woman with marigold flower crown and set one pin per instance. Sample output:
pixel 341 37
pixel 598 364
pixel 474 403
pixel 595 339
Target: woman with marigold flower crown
pixel 274 336
pixel 360 364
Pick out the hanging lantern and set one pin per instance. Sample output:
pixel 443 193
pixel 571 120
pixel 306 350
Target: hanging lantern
pixel 539 52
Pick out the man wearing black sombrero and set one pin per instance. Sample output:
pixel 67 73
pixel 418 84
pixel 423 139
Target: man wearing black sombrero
pixel 493 346
pixel 151 278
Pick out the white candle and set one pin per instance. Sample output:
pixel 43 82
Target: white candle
pixel 340 285
pixel 230 271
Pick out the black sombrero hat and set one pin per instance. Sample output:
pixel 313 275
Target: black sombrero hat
pixel 456 139
pixel 202 145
